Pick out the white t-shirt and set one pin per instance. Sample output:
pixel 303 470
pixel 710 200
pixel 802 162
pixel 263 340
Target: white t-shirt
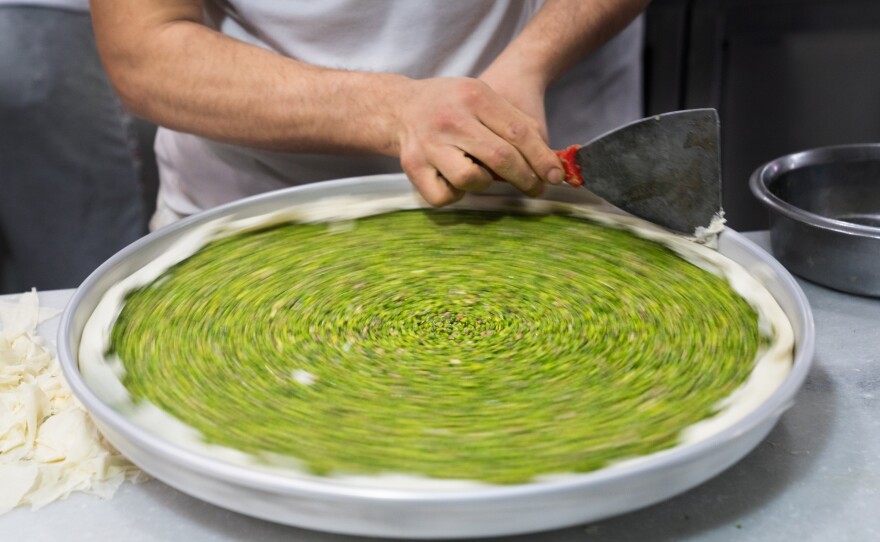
pixel 415 38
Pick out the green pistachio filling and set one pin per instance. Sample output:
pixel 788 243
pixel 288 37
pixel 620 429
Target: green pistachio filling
pixel 454 345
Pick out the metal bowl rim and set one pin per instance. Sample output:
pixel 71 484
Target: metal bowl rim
pixel 820 155
pixel 773 407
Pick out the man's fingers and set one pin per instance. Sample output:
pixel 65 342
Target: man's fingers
pixel 460 170
pixel 504 160
pixel 431 185
pixel 457 132
pixel 523 134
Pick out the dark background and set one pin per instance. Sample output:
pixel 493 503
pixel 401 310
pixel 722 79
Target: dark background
pixel 784 75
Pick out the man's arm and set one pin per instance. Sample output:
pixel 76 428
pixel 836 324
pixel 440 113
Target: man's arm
pixel 560 34
pixel 170 68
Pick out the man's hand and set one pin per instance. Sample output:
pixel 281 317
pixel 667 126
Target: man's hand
pixel 454 132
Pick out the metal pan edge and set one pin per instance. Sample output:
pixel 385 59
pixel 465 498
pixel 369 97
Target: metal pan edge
pixel 397 513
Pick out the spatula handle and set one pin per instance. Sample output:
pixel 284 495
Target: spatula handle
pixel 569 166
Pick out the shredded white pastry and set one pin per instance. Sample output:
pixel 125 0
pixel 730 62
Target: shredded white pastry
pixel 49 446
pixel 708 235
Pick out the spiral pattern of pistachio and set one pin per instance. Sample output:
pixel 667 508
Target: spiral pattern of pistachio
pixel 453 345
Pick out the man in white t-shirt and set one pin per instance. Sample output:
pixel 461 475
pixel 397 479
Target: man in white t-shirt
pixel 71 195
pixel 256 95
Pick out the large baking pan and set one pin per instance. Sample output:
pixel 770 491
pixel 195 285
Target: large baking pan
pixel 482 511
pixel 824 208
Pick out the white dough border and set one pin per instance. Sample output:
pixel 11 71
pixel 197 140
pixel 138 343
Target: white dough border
pixel 103 374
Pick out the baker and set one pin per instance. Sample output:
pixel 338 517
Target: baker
pixel 259 95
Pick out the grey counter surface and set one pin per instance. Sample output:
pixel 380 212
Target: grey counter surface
pixel 815 477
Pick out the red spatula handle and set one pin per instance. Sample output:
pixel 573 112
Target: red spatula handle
pixel 569 166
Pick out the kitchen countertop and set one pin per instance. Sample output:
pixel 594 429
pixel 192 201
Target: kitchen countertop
pixel 815 477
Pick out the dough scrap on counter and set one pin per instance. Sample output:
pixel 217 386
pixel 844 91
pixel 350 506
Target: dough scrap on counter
pixel 49 446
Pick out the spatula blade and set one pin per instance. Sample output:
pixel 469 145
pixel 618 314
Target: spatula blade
pixel 665 168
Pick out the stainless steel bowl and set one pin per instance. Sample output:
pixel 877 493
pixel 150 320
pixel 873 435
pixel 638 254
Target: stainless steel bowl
pixel 487 511
pixel 825 214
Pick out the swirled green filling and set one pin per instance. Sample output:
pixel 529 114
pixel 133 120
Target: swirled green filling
pixel 455 345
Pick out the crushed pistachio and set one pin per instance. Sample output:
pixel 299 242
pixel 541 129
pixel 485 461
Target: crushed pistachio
pixel 463 345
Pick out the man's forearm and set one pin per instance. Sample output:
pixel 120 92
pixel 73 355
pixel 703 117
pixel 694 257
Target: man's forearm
pixel 451 134
pixel 563 32
pixel 183 75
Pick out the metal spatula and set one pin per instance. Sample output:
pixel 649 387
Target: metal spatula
pixel 665 168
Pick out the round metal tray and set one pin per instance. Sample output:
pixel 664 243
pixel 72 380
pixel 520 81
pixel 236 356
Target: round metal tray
pixel 484 511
